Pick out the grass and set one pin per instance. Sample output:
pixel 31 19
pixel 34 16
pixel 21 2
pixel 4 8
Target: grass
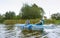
pixel 57 21
pixel 21 21
pixel 9 22
pixel 32 21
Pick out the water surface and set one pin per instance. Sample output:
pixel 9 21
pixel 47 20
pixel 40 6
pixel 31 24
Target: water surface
pixel 12 31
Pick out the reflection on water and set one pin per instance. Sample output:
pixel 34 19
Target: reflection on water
pixel 12 31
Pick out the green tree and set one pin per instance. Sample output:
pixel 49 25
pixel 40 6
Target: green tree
pixel 10 15
pixel 31 12
pixel 19 16
pixel 1 18
pixel 56 16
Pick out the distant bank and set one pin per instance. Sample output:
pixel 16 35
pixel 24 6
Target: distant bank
pixel 32 21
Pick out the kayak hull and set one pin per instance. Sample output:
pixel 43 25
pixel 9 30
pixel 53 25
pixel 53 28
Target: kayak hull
pixel 30 27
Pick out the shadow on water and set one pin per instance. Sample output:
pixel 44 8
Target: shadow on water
pixel 30 33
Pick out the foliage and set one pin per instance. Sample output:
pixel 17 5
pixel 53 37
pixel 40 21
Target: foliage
pixel 1 18
pixel 49 21
pixel 32 21
pixel 56 16
pixel 31 12
pixel 19 16
pixel 10 22
pixel 57 21
pixel 21 21
pixel 10 15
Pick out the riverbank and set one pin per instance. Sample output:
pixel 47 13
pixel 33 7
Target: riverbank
pixel 21 21
pixel 32 21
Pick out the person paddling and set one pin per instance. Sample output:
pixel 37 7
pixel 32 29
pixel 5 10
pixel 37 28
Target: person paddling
pixel 27 22
pixel 41 22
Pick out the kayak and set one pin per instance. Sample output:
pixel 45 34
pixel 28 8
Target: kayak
pixel 30 27
pixel 35 26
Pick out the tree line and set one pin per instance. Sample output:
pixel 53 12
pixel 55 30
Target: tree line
pixel 56 16
pixel 27 12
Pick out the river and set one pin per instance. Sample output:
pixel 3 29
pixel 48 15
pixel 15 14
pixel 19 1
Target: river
pixel 12 31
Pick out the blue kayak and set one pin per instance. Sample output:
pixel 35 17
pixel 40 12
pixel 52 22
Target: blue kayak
pixel 39 26
pixel 30 27
pixel 34 27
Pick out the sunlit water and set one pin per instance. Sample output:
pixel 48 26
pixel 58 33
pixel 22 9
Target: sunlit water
pixel 12 31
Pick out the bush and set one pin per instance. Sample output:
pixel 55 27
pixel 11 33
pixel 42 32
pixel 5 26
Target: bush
pixel 48 21
pixel 2 20
pixel 9 22
pixel 32 21
pixel 21 21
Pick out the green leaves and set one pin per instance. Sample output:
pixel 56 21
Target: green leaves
pixel 56 16
pixel 31 12
pixel 10 15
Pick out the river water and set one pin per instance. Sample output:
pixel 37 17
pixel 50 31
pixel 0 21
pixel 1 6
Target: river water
pixel 12 31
